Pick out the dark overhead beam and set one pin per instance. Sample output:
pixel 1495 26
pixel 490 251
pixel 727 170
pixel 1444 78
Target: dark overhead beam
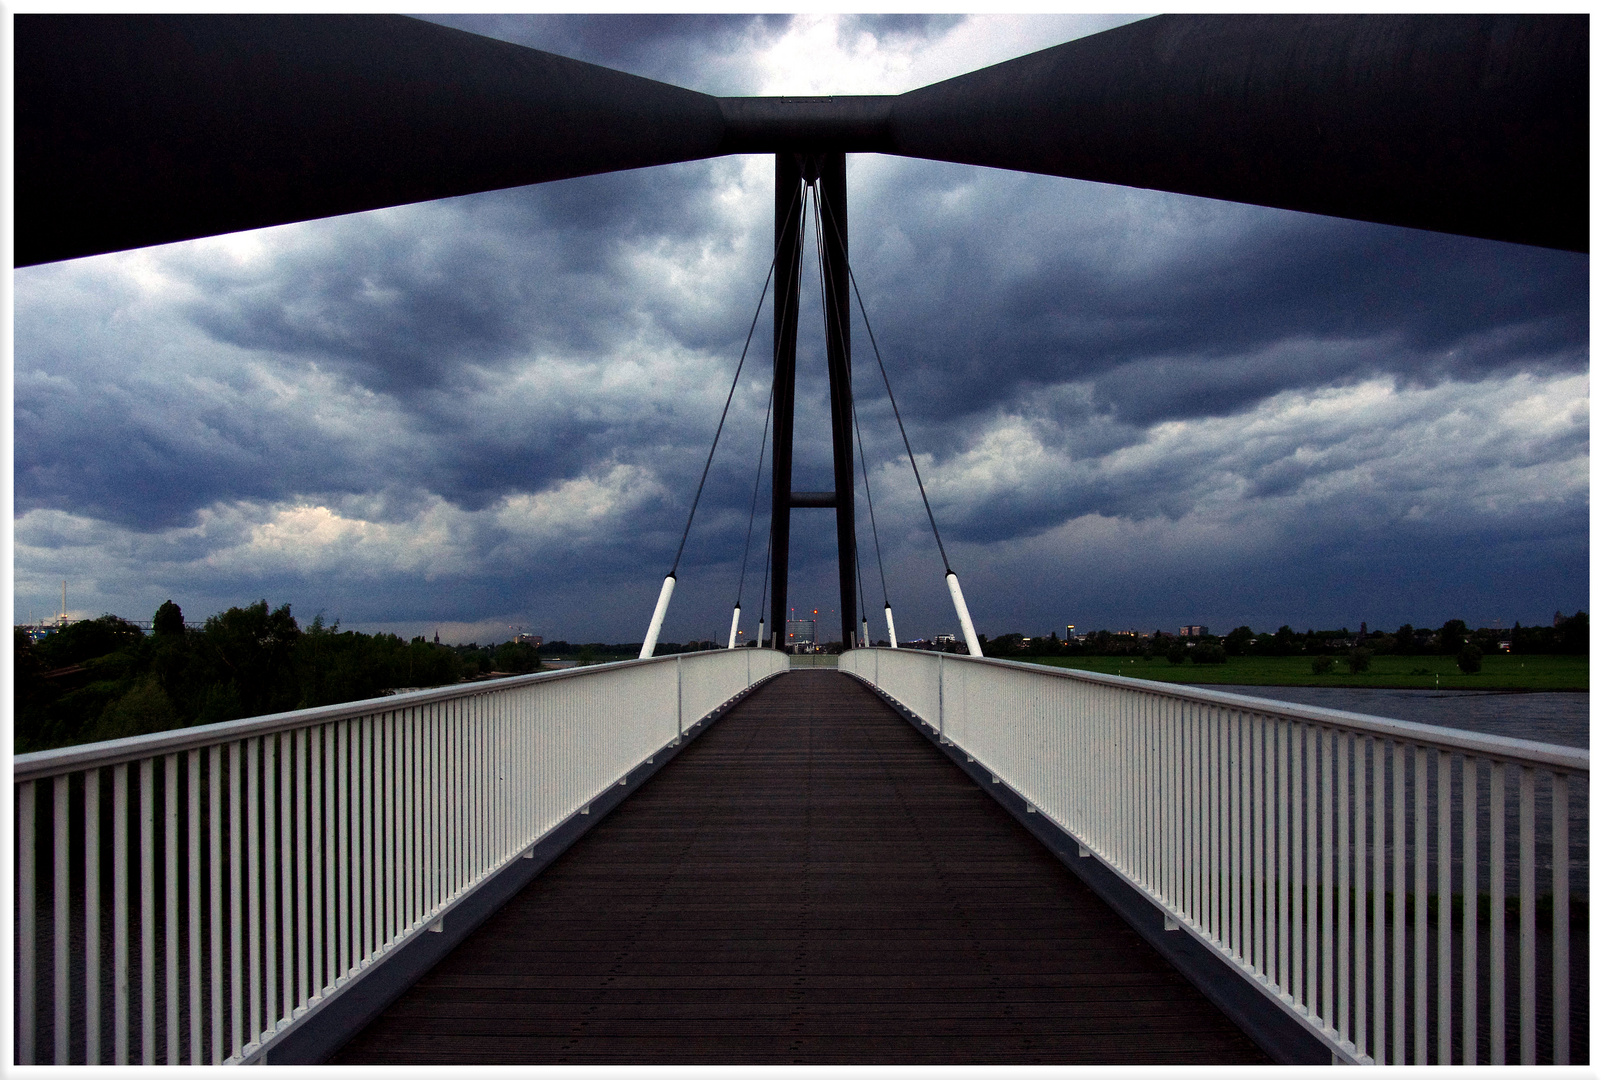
pixel 137 130
pixel 1472 124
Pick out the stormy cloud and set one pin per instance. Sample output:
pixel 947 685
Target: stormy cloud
pixel 1130 408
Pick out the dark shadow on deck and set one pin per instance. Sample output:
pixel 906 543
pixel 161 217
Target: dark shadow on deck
pixel 810 881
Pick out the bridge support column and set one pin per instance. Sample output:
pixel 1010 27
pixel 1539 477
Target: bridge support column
pixel 787 281
pixel 838 352
pixel 791 172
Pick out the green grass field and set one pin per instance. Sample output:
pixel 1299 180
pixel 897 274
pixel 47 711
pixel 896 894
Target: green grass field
pixel 1498 672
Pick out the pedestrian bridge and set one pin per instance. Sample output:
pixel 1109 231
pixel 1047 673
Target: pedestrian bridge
pixel 715 858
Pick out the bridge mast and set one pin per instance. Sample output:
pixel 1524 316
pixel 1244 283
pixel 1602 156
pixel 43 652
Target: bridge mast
pixel 791 172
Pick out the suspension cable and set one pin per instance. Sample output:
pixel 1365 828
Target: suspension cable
pixel 757 483
pixel 733 383
pixel 895 411
pixel 763 600
pixel 873 528
pixel 824 299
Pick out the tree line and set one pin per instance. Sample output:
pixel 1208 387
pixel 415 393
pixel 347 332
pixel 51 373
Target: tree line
pixel 106 678
pixel 1567 636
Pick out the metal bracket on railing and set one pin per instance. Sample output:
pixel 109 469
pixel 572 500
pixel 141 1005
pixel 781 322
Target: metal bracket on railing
pixel 438 926
pixel 1080 849
pixel 1171 924
pixel 586 810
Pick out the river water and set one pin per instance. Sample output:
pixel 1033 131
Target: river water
pixel 1545 717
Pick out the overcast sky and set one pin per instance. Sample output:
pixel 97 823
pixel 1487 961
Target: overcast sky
pixel 1132 409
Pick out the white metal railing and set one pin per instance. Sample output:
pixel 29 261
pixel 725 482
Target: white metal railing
pixel 1403 890
pixel 186 897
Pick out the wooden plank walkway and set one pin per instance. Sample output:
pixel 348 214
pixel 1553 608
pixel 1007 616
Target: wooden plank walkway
pixel 809 881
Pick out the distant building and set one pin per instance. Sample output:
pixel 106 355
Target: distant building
pixel 802 632
pixel 1194 631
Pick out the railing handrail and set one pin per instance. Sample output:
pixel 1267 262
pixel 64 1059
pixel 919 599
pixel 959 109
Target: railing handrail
pixel 1517 751
pixel 43 764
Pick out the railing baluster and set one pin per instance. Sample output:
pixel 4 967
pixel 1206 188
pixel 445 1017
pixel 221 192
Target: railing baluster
pixel 1469 799
pixel 1314 895
pixel 405 785
pixel 1562 918
pixel 119 913
pixel 1528 918
pixel 1378 903
pixel 147 913
pixel 286 865
pixel 270 886
pixel 235 918
pixel 170 875
pixel 364 842
pixel 1283 796
pixel 92 928
pixel 1361 930
pixel 1344 819
pixel 342 823
pixel 1399 895
pixel 1497 828
pixel 27 923
pixel 387 847
pixel 194 944
pixel 321 860
pixel 1445 912
pixel 1421 900
pixel 303 935
pixel 253 882
pixel 215 877
pixel 1327 885
pixel 59 925
pixel 1299 870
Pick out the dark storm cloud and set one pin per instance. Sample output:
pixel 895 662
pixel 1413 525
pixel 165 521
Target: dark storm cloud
pixel 403 301
pixel 1037 287
pixel 1132 400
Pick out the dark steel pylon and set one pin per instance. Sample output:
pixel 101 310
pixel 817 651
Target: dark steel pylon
pixel 791 173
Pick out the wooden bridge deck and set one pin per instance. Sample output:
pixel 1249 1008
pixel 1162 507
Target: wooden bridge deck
pixel 809 881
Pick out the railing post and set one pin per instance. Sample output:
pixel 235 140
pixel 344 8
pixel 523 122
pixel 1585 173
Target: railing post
pixel 679 696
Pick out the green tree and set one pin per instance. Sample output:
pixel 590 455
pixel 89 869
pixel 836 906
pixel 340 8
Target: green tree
pixel 168 621
pixel 1404 640
pixel 1469 659
pixel 1322 665
pixel 246 660
pixel 143 709
pixel 1358 661
pixel 1451 638
pixel 517 657
pixel 1239 640
pixel 1571 635
pixel 1286 642
pixel 86 640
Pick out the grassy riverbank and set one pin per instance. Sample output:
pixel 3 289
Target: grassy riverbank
pixel 1499 672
